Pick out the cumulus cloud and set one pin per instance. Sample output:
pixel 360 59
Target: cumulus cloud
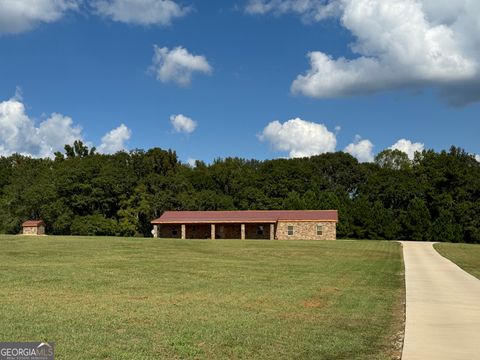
pixel 17 16
pixel 360 149
pixel 141 12
pixel 299 137
pixel 183 124
pixel 408 147
pixel 178 65
pixel 115 139
pixel 477 157
pixel 399 44
pixel 57 131
pixel 18 133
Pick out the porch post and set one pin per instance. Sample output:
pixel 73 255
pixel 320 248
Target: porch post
pixel 242 231
pixel 155 231
pixel 272 231
pixel 184 231
pixel 212 231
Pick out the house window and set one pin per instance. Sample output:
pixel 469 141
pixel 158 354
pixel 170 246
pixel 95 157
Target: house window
pixel 174 232
pixel 290 230
pixel 319 230
pixel 260 230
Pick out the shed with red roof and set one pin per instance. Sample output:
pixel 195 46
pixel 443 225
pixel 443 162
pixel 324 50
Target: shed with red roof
pixel 248 224
pixel 33 227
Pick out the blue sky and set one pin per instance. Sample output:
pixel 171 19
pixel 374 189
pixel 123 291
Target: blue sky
pixel 229 69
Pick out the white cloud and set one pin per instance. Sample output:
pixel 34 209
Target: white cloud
pixel 178 65
pixel 310 10
pixel 57 131
pixel 17 16
pixel 477 157
pixel 183 124
pixel 142 12
pixel 408 147
pixel 18 133
pixel 192 162
pixel 299 137
pixel 399 44
pixel 114 140
pixel 18 94
pixel 361 149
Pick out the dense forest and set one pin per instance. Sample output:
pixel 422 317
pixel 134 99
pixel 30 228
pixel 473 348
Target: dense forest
pixel 436 196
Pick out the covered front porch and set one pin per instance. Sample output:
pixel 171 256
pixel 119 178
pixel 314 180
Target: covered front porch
pixel 214 231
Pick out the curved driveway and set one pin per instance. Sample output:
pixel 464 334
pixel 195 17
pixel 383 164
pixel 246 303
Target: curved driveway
pixel 442 307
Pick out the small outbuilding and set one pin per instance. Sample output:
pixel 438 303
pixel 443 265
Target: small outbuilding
pixel 33 227
pixel 248 224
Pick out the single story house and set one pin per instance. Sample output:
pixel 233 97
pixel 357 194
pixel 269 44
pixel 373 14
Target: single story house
pixel 33 227
pixel 248 224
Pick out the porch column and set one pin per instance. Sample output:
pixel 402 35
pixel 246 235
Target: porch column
pixel 242 231
pixel 184 231
pixel 212 231
pixel 155 231
pixel 272 231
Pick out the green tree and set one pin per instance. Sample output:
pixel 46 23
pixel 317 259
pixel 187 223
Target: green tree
pixel 416 221
pixel 445 228
pixel 392 159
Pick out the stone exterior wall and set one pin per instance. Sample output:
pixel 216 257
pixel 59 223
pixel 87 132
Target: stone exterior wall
pixel 302 230
pixel 306 230
pixel 30 230
pixel 34 230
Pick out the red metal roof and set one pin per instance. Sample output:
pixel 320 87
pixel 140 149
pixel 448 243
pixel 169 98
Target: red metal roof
pixel 267 216
pixel 33 223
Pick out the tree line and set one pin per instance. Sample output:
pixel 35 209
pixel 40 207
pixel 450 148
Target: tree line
pixel 435 196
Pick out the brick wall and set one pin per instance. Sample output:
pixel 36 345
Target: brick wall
pixel 306 230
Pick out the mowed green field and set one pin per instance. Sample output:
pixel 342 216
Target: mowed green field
pixel 467 256
pixel 133 298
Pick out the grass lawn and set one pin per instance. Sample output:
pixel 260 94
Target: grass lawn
pixel 467 256
pixel 127 298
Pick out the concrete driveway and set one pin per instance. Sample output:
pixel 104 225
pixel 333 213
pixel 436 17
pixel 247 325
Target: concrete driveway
pixel 442 307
